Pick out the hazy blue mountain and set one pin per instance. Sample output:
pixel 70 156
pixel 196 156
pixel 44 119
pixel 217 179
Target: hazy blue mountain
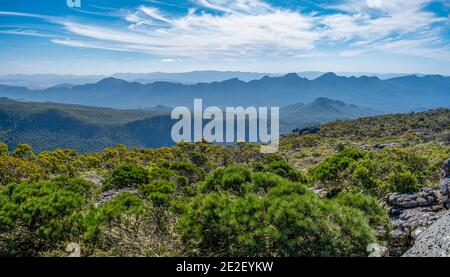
pixel 320 111
pixel 44 81
pixel 190 77
pixel 393 95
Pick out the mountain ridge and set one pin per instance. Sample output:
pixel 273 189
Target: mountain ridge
pixel 86 128
pixel 399 94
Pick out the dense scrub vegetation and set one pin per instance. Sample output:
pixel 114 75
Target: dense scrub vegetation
pixel 209 200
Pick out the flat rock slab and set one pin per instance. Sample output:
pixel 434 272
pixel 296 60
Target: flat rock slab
pixel 434 242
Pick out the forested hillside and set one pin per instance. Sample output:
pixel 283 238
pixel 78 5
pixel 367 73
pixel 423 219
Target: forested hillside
pixel 47 126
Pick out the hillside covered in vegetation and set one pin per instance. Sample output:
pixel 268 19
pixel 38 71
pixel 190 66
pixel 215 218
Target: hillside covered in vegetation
pixel 48 126
pixel 319 196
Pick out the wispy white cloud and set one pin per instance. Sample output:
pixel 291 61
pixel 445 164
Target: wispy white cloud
pixel 32 33
pixel 254 28
pixel 170 60
pixel 154 13
pixel 237 6
pixel 85 44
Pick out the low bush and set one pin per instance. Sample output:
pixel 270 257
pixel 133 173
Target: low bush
pixel 127 176
pixel 298 225
pixel 36 217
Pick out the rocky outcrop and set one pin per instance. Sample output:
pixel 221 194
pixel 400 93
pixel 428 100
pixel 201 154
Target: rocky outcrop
pixel 109 195
pixel 307 131
pixel 93 177
pixel 433 242
pixel 446 141
pixel 412 214
pixel 378 147
pixel 445 184
pixel 425 198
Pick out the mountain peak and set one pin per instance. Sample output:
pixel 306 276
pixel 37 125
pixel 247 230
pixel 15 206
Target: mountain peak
pixel 328 76
pixel 323 100
pixel 111 81
pixel 232 81
pixel 291 76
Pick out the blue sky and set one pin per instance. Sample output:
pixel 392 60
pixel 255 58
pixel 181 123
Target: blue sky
pixel 109 36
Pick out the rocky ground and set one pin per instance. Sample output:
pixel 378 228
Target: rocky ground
pixel 110 194
pixel 434 241
pixel 421 221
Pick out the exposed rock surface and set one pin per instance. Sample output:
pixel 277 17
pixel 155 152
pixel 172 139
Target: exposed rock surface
pixel 109 195
pixel 412 214
pixel 434 242
pixel 376 250
pixel 445 184
pixel 377 147
pixel 424 198
pixel 307 130
pixel 321 193
pixel 92 177
pixel 446 141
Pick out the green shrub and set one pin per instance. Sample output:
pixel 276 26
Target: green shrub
pixel 228 179
pixel 127 176
pixel 335 166
pixel 3 149
pixel 403 182
pixel 199 159
pixel 39 215
pixel 266 181
pixel 188 170
pixel 159 192
pixel 368 205
pixel 285 170
pixel 275 185
pixel 390 170
pixel 309 140
pixel 287 189
pixel 13 169
pixel 111 213
pixel 362 177
pixel 298 225
pixel 214 225
pixel 309 227
pixel 23 151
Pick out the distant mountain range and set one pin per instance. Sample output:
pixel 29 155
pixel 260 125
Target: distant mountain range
pixel 399 94
pixel 43 81
pixel 47 126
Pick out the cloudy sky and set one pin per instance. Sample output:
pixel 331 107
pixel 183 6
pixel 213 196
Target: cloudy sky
pixel 277 36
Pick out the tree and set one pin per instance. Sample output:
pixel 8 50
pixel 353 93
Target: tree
pixel 17 170
pixel 23 151
pixel 37 216
pixel 127 176
pixel 3 149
